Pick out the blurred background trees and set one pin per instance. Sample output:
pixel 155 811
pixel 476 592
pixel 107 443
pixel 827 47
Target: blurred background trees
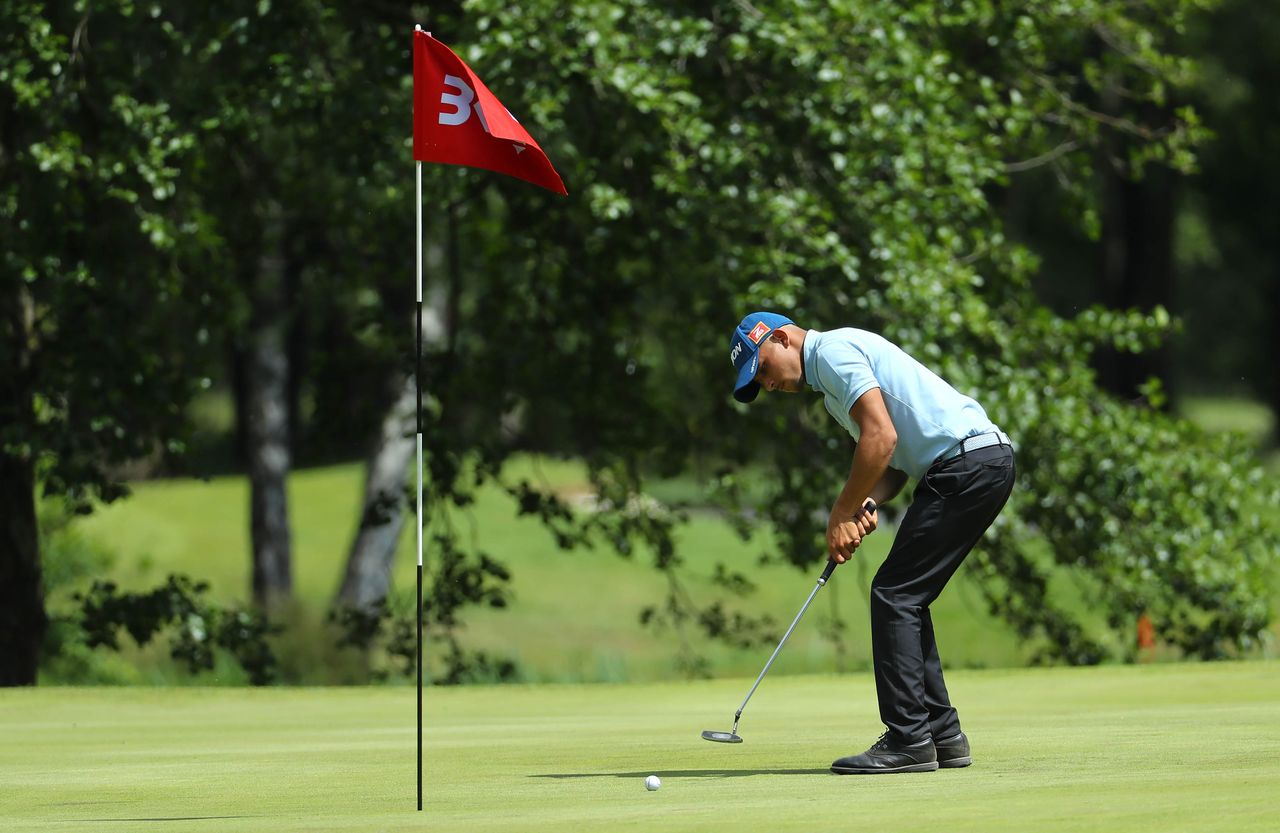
pixel 1066 209
pixel 103 336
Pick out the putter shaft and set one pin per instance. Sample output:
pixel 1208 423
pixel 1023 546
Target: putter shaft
pixel 826 574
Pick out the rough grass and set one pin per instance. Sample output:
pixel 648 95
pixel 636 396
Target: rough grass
pixel 573 617
pixel 1151 748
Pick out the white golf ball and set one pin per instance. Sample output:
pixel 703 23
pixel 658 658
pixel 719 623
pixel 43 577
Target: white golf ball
pixel 652 782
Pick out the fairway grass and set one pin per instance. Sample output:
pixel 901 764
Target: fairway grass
pixel 1156 748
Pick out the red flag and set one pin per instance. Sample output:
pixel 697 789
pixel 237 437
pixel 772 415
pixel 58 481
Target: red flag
pixel 457 121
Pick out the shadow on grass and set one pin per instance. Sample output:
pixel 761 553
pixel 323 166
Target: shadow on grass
pixel 687 773
pixel 165 818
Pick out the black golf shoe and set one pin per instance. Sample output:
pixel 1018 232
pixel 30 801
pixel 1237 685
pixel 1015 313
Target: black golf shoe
pixel 953 752
pixel 888 755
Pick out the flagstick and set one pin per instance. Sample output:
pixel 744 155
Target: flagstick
pixel 544 176
pixel 417 376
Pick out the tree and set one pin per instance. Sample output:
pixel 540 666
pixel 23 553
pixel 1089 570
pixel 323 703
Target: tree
pixel 1229 228
pixel 838 162
pixel 290 103
pixel 100 332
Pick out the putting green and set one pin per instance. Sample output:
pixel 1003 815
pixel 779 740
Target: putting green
pixel 1156 748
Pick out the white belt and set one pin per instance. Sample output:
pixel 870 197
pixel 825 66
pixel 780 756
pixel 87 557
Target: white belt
pixel 968 444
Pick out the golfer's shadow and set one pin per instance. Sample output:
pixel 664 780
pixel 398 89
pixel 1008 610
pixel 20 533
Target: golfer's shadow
pixel 161 819
pixel 687 773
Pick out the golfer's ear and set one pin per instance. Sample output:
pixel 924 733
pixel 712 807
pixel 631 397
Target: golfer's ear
pixel 780 335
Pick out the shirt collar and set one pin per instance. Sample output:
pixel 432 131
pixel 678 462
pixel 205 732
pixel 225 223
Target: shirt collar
pixel 810 348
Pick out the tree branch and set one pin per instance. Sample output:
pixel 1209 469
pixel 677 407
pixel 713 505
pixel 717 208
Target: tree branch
pixel 1121 124
pixel 1042 159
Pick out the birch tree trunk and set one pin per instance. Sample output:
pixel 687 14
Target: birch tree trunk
pixel 370 559
pixel 267 386
pixel 367 579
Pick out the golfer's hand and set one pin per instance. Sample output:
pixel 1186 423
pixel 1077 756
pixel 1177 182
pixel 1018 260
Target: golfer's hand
pixel 842 540
pixel 867 521
pixel 845 536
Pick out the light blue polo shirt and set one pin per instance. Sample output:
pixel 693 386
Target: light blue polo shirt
pixel 929 415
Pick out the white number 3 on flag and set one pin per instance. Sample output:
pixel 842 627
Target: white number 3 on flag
pixel 461 103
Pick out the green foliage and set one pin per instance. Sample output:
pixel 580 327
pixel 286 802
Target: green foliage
pixel 195 626
pixel 836 161
pixel 571 614
pixel 1227 237
pixel 69 558
pixel 386 634
pixel 1152 515
pixel 100 335
pixel 368 631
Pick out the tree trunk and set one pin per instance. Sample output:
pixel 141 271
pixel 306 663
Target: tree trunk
pixel 370 560
pixel 1137 254
pixel 1137 269
pixel 22 615
pixel 1269 379
pixel 267 387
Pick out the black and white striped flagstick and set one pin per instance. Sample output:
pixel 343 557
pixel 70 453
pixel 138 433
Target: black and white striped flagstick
pixel 417 377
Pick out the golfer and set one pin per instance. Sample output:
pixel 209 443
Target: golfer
pixel 908 423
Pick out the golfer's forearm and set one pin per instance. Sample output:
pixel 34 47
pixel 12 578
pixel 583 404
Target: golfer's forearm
pixel 870 462
pixel 889 486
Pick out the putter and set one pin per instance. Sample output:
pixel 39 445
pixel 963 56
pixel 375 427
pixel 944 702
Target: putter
pixel 732 735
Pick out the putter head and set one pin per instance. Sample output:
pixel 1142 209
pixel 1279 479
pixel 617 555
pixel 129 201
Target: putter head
pixel 721 737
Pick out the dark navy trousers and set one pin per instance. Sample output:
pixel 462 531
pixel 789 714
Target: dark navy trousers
pixel 953 505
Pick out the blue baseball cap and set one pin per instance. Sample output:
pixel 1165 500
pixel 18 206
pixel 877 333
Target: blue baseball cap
pixel 744 350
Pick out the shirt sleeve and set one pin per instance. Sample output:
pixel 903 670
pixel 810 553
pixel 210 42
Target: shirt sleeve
pixel 845 371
